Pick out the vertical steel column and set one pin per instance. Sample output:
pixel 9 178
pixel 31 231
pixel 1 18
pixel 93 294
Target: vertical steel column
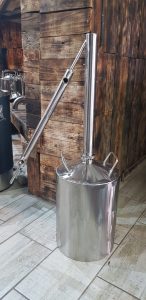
pixel 90 84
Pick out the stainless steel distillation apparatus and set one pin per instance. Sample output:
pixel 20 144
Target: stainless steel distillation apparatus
pixel 86 191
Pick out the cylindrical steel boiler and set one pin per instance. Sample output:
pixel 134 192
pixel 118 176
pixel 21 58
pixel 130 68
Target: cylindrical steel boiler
pixel 87 191
pixel 6 156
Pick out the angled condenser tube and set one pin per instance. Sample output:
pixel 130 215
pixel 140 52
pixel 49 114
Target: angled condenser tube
pixel 48 113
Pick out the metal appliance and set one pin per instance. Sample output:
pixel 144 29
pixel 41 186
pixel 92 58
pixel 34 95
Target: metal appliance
pixel 6 156
pixel 87 191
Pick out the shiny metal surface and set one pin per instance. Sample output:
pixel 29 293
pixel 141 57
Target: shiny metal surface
pixel 86 195
pixel 17 101
pixel 5 85
pixel 90 83
pixel 48 113
pixel 5 179
pixel 86 216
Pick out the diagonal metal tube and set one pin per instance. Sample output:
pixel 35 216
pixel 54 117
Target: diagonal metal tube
pixel 48 113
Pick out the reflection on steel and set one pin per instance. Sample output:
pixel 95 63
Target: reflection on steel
pixel 90 94
pixel 48 113
pixel 17 101
pixel 87 191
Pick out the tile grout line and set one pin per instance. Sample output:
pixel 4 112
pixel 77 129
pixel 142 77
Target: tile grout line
pixel 18 212
pixel 22 295
pixel 22 227
pixel 15 286
pixel 97 274
pixel 110 257
pixel 19 197
pixel 118 287
pixel 37 242
pixel 15 291
pixel 131 227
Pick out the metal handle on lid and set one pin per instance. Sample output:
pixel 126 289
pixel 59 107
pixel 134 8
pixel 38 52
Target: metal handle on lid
pixel 114 165
pixel 65 163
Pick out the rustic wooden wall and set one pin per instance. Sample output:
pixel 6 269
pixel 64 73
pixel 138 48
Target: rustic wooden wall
pixel 52 33
pixel 10 39
pixel 121 100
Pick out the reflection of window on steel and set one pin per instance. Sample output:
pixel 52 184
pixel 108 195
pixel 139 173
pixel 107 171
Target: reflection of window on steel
pixel 1 113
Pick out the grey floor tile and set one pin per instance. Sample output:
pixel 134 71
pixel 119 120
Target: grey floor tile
pixel 14 190
pixel 59 277
pixel 127 268
pixel 17 207
pixel 18 256
pixel 15 224
pixel 7 200
pixel 14 295
pixel 43 230
pixel 44 205
pixel 142 220
pixel 131 204
pixel 99 289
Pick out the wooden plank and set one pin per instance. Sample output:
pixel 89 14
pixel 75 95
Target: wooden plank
pixel 31 53
pixel 10 35
pixel 31 72
pixel 15 58
pixel 62 5
pixel 141 140
pixel 32 91
pixel 33 107
pixel 121 76
pixel 75 93
pixel 142 43
pixel 66 23
pixel 67 112
pixel 71 106
pixel 53 69
pixel 30 22
pixel 109 27
pixel 33 168
pixel 104 104
pixel 136 114
pixel 30 6
pixel 127 114
pixel 129 19
pixel 31 42
pixel 61 47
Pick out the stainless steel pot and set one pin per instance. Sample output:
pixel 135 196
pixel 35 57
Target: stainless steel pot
pixel 86 210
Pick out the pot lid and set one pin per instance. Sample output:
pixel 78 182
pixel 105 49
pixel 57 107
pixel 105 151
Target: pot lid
pixel 94 173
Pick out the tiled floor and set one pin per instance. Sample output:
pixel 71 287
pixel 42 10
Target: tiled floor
pixel 31 266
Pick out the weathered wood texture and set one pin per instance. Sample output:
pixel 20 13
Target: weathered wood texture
pixel 63 5
pixel 30 6
pixel 124 27
pixel 10 39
